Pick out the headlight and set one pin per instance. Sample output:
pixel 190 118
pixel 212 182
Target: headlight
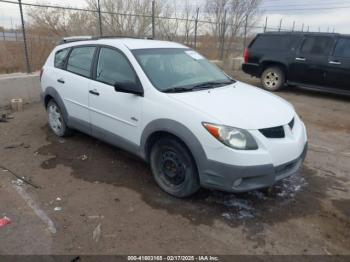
pixel 231 136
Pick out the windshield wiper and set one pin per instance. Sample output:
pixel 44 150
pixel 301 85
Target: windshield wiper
pixel 177 89
pixel 204 85
pixel 212 84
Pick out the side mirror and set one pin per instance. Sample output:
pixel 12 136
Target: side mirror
pixel 129 87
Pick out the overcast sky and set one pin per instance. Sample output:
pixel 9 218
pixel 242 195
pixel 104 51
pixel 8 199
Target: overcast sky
pixel 323 14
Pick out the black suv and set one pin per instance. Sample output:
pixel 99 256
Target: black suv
pixel 312 60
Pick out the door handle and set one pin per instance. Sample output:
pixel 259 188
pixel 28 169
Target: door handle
pixel 335 62
pixel 94 92
pixel 60 80
pixel 300 58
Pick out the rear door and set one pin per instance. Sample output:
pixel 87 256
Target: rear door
pixel 311 60
pixel 74 86
pixel 338 71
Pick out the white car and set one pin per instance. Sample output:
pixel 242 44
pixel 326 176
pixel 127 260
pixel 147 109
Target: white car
pixel 169 105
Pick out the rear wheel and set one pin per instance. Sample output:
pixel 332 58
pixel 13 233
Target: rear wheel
pixel 273 79
pixel 173 168
pixel 56 120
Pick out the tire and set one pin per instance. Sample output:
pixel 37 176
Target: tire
pixel 273 79
pixel 56 121
pixel 174 168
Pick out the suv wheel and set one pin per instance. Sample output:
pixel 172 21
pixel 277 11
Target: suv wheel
pixel 173 168
pixel 56 121
pixel 272 79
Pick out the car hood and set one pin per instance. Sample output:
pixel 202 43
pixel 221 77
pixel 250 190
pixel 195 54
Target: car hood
pixel 239 105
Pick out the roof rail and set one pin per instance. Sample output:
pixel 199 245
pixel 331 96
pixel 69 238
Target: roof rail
pixel 71 39
pixel 75 39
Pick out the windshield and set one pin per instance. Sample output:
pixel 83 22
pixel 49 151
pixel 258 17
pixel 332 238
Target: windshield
pixel 179 70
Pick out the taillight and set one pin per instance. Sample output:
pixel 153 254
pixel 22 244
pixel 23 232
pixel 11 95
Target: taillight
pixel 246 55
pixel 41 73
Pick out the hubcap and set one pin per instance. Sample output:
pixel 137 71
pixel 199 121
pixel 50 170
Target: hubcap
pixel 55 119
pixel 172 168
pixel 271 80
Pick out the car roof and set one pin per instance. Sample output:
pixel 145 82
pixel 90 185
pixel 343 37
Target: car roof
pixel 301 33
pixel 130 43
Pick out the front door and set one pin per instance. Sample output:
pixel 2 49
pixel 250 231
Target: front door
pixel 310 63
pixel 115 116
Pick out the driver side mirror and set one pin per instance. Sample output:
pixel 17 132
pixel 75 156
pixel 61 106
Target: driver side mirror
pixel 129 87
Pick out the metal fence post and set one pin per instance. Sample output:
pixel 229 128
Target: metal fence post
pixel 280 27
pixel 196 28
pixel 3 34
pixel 24 37
pixel 99 17
pixel 222 47
pixel 153 20
pixel 265 27
pixel 293 26
pixel 302 28
pixel 245 33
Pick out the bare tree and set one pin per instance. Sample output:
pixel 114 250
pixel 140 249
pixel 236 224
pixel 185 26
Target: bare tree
pixel 231 25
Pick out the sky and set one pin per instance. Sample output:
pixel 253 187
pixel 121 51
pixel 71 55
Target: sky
pixel 323 15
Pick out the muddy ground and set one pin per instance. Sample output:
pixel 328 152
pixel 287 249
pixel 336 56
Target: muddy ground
pixel 92 198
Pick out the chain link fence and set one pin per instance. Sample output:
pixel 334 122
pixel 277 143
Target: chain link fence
pixel 25 48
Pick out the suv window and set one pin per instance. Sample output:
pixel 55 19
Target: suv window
pixel 343 48
pixel 80 60
pixel 275 42
pixel 317 45
pixel 60 57
pixel 113 67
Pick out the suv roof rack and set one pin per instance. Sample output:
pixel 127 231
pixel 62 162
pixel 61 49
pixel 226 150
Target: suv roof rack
pixel 71 39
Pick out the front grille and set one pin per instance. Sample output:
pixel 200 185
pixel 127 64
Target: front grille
pixel 273 132
pixel 291 123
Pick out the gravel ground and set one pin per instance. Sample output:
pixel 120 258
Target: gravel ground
pixel 96 199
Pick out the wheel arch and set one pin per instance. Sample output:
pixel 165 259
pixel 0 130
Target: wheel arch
pixel 269 63
pixel 167 127
pixel 51 93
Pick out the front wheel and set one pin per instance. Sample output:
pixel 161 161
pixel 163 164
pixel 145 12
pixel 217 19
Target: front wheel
pixel 273 79
pixel 173 168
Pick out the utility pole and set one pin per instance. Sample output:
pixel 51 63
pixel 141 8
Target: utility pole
pixel 99 17
pixel 302 28
pixel 24 38
pixel 196 28
pixel 293 26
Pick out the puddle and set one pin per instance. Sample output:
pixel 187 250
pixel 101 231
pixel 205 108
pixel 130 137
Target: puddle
pixel 294 197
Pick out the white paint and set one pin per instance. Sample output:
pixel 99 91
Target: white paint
pixel 38 211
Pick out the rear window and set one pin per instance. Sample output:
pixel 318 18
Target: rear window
pixel 275 42
pixel 60 57
pixel 317 45
pixel 343 48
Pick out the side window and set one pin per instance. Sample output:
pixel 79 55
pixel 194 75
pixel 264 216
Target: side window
pixel 80 60
pixel 343 48
pixel 113 67
pixel 317 45
pixel 275 42
pixel 60 57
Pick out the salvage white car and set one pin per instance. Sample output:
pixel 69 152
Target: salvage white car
pixel 167 104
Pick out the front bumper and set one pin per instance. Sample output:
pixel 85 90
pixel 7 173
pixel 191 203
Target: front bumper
pixel 223 176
